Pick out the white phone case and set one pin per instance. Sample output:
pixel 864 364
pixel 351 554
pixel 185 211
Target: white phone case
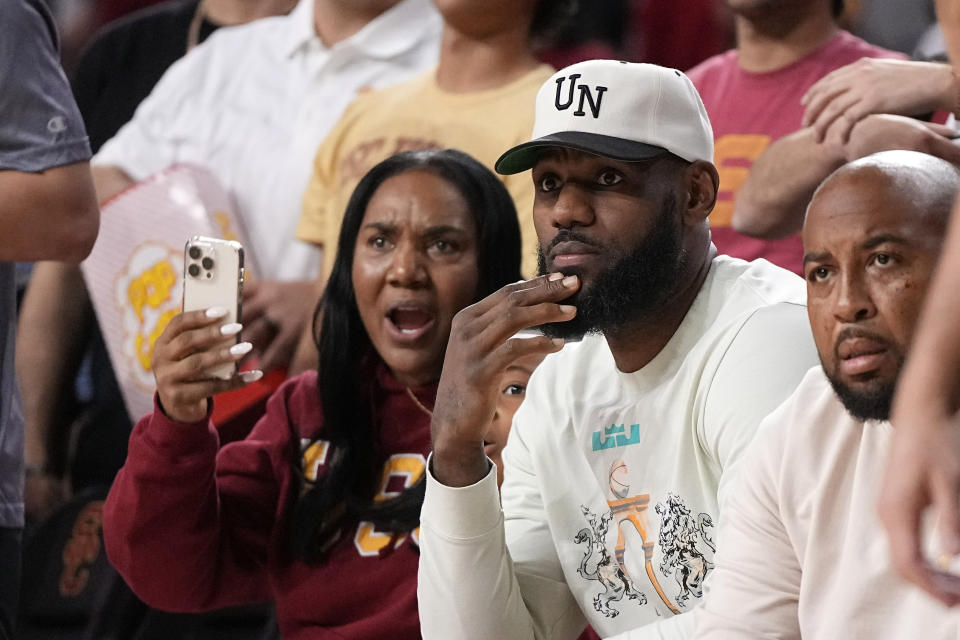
pixel 213 277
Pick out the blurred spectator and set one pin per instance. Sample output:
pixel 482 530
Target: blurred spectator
pixel 49 212
pixel 126 59
pixel 752 95
pixel 479 99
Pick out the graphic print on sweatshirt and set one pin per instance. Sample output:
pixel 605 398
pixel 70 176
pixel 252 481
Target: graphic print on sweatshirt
pixel 400 471
pixel 683 540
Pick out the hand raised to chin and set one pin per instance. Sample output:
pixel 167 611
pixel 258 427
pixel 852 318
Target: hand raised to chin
pixel 480 348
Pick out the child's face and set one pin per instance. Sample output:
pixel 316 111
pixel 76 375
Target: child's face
pixel 513 388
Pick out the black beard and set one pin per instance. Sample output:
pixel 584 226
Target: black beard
pixel 873 404
pixel 631 289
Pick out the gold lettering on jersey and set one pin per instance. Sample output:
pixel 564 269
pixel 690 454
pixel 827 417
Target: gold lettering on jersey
pixel 409 468
pixel 733 155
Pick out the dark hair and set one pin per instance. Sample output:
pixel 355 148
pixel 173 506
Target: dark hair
pixel 344 494
pixel 837 8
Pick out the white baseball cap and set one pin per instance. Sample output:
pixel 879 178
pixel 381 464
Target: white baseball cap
pixel 621 110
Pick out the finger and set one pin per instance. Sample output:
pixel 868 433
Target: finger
pixel 200 339
pixel 498 296
pixel 550 288
pixel 189 320
pixel 901 516
pixel 197 366
pixel 818 101
pixel 515 318
pixel 516 348
pixel 192 392
pixel 835 109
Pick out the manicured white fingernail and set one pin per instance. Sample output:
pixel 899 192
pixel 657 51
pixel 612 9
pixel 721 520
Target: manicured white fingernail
pixel 231 329
pixel 557 341
pixel 241 348
pixel 251 376
pixel 567 308
pixel 216 312
pixel 569 281
pixel 553 277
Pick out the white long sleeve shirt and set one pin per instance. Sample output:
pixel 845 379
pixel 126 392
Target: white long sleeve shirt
pixel 614 481
pixel 254 102
pixel 802 553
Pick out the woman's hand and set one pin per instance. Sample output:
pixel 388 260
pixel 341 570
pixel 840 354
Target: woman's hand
pixel 840 99
pixel 480 348
pixel 193 343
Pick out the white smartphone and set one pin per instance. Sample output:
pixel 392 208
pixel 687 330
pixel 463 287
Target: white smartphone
pixel 213 277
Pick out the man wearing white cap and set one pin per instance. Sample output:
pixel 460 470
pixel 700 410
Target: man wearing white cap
pixel 619 458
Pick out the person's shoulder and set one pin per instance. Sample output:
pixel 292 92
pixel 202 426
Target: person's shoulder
pixel 726 61
pixel 797 415
pixel 758 282
pixel 852 48
pixel 809 427
pixel 228 49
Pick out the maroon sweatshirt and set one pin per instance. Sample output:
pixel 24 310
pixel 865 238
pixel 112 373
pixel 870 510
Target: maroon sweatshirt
pixel 192 527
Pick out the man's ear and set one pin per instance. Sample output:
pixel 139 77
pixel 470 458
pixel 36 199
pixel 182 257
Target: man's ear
pixel 702 184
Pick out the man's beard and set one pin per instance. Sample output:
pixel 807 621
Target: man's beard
pixel 633 288
pixel 870 402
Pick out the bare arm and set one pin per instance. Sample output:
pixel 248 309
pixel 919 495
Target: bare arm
pixel 773 199
pixel 924 465
pixel 50 215
pixel 53 319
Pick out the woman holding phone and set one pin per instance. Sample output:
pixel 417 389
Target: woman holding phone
pixel 318 508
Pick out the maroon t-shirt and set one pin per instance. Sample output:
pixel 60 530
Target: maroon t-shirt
pixel 749 111
pixel 192 528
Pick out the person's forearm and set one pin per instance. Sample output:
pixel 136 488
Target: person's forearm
pixel 931 379
pixel 50 215
pixel 773 199
pixel 49 346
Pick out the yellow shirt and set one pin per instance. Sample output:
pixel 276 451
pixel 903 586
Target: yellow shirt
pixel 417 114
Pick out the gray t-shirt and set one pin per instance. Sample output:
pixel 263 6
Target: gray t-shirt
pixel 40 128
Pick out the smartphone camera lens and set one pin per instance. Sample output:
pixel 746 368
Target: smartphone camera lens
pixel 207 263
pixel 194 270
pixel 194 252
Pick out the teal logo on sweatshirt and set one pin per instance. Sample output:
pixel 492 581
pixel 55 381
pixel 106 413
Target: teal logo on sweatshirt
pixel 615 436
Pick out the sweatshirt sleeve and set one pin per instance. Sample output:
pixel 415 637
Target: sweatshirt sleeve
pixel 486 576
pixel 190 528
pixel 755 589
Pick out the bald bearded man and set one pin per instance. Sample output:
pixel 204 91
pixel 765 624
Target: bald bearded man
pixel 802 551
